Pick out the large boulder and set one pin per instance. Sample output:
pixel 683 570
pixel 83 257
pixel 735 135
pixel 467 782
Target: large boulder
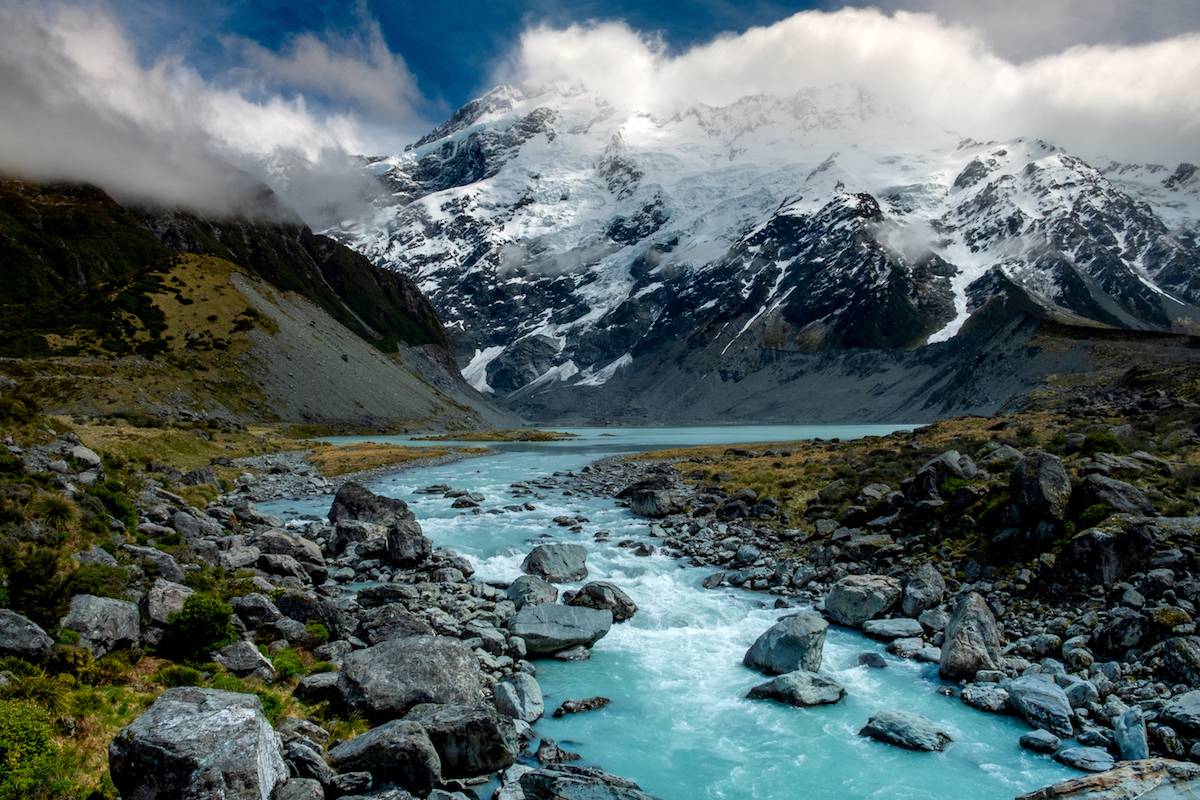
pixel 198 744
pixel 557 563
pixel 354 501
pixel 547 629
pixel 604 595
pixel 1042 703
pixel 566 782
pixel 385 681
pixel 927 485
pixel 799 688
pixel 907 730
pixel 397 752
pixel 470 740
pixel 1181 659
pixel 793 643
pixel 1183 712
pixel 1113 494
pixel 1040 486
pixel 653 497
pixel 855 599
pixel 972 639
pixel 407 545
pixel 22 637
pixel 924 590
pixel 164 599
pixel 531 590
pixel 1157 778
pixel 519 696
pixel 280 542
pixel 103 623
pixel 1129 733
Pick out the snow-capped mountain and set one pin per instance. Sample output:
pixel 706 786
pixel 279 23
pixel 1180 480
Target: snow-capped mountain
pixel 569 245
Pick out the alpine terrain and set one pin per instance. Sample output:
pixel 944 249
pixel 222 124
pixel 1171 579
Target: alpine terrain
pixel 592 263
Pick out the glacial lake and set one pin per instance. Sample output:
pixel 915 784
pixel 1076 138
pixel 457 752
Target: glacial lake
pixel 678 723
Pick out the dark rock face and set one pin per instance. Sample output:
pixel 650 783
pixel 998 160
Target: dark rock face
pixel 197 744
pixel 383 682
pixel 355 502
pixel 23 638
pixel 793 643
pixel 906 730
pixel 407 546
pixel 470 740
pixel 398 752
pixel 924 590
pixel 651 498
pixel 972 639
pixel 547 629
pixel 1111 493
pixel 602 595
pixel 557 563
pixel 565 782
pixel 1040 486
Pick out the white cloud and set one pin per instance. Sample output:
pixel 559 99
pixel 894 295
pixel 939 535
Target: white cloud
pixel 1126 101
pixel 75 103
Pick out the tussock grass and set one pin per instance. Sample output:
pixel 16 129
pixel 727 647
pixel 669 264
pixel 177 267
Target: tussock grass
pixel 334 460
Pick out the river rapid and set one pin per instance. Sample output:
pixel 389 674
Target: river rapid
pixel 678 723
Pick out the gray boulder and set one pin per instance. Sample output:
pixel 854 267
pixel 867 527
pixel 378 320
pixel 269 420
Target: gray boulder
pixel 1129 731
pixel 280 542
pixel 855 599
pixel 470 740
pixel 1183 711
pixel 566 782
pixel 198 744
pixel 557 563
pixel 300 789
pixel 1040 741
pixel 407 545
pixel 519 696
pixel 531 590
pixel 1088 759
pixel 243 659
pixel 354 501
pixel 1121 497
pixel 653 497
pixel 1040 486
pixel 605 595
pixel 907 730
pixel 799 688
pixel 989 697
pixel 924 590
pixel 793 643
pixel 1181 659
pixel 164 599
pixel 22 637
pixel 157 562
pixel 547 629
pixel 385 681
pixel 1042 703
pixel 972 639
pixel 399 752
pixel 1158 778
pixel 895 628
pixel 103 624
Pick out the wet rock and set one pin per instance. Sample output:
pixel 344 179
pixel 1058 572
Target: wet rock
pixel 855 599
pixel 1041 703
pixel 198 744
pixel 567 782
pixel 604 595
pixel 354 501
pixel 407 546
pixel 1159 778
pixel 1088 759
pixel 986 697
pixel 531 590
pixel 549 754
pixel 519 696
pixel 793 643
pixel 924 590
pixel 907 730
pixel 399 752
pixel 889 629
pixel 800 688
pixel 872 659
pixel 1040 741
pixel 23 638
pixel 103 624
pixel 557 563
pixel 972 640
pixel 653 497
pixel 1129 731
pixel 385 681
pixel 470 740
pixel 548 629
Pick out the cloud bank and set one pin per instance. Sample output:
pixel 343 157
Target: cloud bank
pixel 1139 101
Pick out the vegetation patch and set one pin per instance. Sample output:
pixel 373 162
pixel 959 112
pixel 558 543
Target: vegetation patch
pixel 515 435
pixel 334 460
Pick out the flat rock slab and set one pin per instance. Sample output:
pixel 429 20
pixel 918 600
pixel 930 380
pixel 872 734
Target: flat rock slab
pixel 547 628
pixel 1158 778
pixel 907 730
pixel 800 689
pixel 889 629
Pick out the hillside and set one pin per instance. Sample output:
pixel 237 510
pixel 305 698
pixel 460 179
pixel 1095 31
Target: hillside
pixel 113 310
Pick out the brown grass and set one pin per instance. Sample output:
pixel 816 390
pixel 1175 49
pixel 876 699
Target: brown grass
pixel 334 460
pixel 517 435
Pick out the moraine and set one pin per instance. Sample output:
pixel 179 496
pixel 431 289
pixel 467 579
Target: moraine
pixel 678 723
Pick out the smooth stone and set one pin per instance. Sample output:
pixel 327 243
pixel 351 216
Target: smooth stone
pixel 907 730
pixel 799 688
pixel 793 643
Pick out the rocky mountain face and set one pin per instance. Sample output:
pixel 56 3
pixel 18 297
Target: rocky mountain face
pixel 721 253
pixel 239 318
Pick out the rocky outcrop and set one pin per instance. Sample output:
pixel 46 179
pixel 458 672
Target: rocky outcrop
pixel 470 740
pixel 972 640
pixel 398 753
pixel 653 497
pixel 548 629
pixel 1040 701
pixel 385 681
pixel 857 598
pixel 519 696
pixel 924 590
pixel 1159 778
pixel 1040 486
pixel 198 744
pixel 103 624
pixel 794 643
pixel 907 730
pixel 354 501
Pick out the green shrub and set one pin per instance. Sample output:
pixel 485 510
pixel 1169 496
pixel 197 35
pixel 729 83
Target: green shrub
pixel 112 494
pixel 204 624
pixel 50 692
pixel 35 585
pixel 287 664
pixel 30 765
pixel 55 510
pixel 1093 515
pixel 100 580
pixel 173 675
pixel 272 704
pixel 1102 442
pixel 318 632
